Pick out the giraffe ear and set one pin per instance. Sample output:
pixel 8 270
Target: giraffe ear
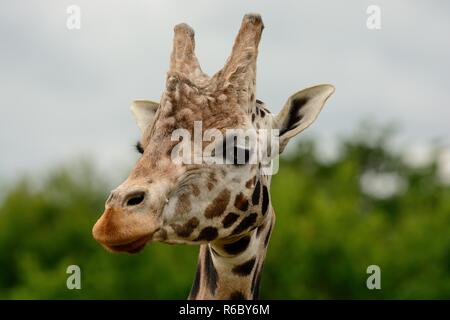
pixel 144 111
pixel 300 111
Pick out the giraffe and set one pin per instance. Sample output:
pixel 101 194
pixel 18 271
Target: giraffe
pixel 225 209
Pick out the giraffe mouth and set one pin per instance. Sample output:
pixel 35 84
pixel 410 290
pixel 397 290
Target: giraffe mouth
pixel 133 246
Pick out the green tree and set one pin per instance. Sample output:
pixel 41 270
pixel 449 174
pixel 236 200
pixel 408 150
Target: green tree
pixel 329 229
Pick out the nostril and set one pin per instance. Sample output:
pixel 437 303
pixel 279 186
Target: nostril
pixel 135 199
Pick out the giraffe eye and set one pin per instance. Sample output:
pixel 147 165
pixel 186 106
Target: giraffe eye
pixel 233 154
pixel 241 156
pixel 139 147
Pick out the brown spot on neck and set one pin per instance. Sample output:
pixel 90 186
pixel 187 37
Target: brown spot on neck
pixel 219 204
pixel 250 183
pixel 241 202
pixel 186 229
pixel 183 204
pixel 195 190
pixel 211 181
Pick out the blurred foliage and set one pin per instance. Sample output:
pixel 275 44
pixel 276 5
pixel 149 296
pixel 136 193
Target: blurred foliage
pixel 328 232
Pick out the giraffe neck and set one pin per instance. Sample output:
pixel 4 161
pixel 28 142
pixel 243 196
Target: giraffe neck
pixel 232 270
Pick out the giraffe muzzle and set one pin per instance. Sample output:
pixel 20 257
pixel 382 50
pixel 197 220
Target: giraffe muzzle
pixel 133 246
pixel 120 230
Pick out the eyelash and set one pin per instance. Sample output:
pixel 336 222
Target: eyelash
pixel 139 147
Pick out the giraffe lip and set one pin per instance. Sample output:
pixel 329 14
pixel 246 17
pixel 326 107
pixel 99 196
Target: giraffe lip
pixel 133 246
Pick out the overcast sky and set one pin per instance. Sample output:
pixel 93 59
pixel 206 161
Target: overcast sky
pixel 66 93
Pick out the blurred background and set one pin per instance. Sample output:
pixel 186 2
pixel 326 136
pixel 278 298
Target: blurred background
pixel 368 183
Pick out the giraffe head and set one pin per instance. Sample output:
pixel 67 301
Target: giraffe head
pixel 165 199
